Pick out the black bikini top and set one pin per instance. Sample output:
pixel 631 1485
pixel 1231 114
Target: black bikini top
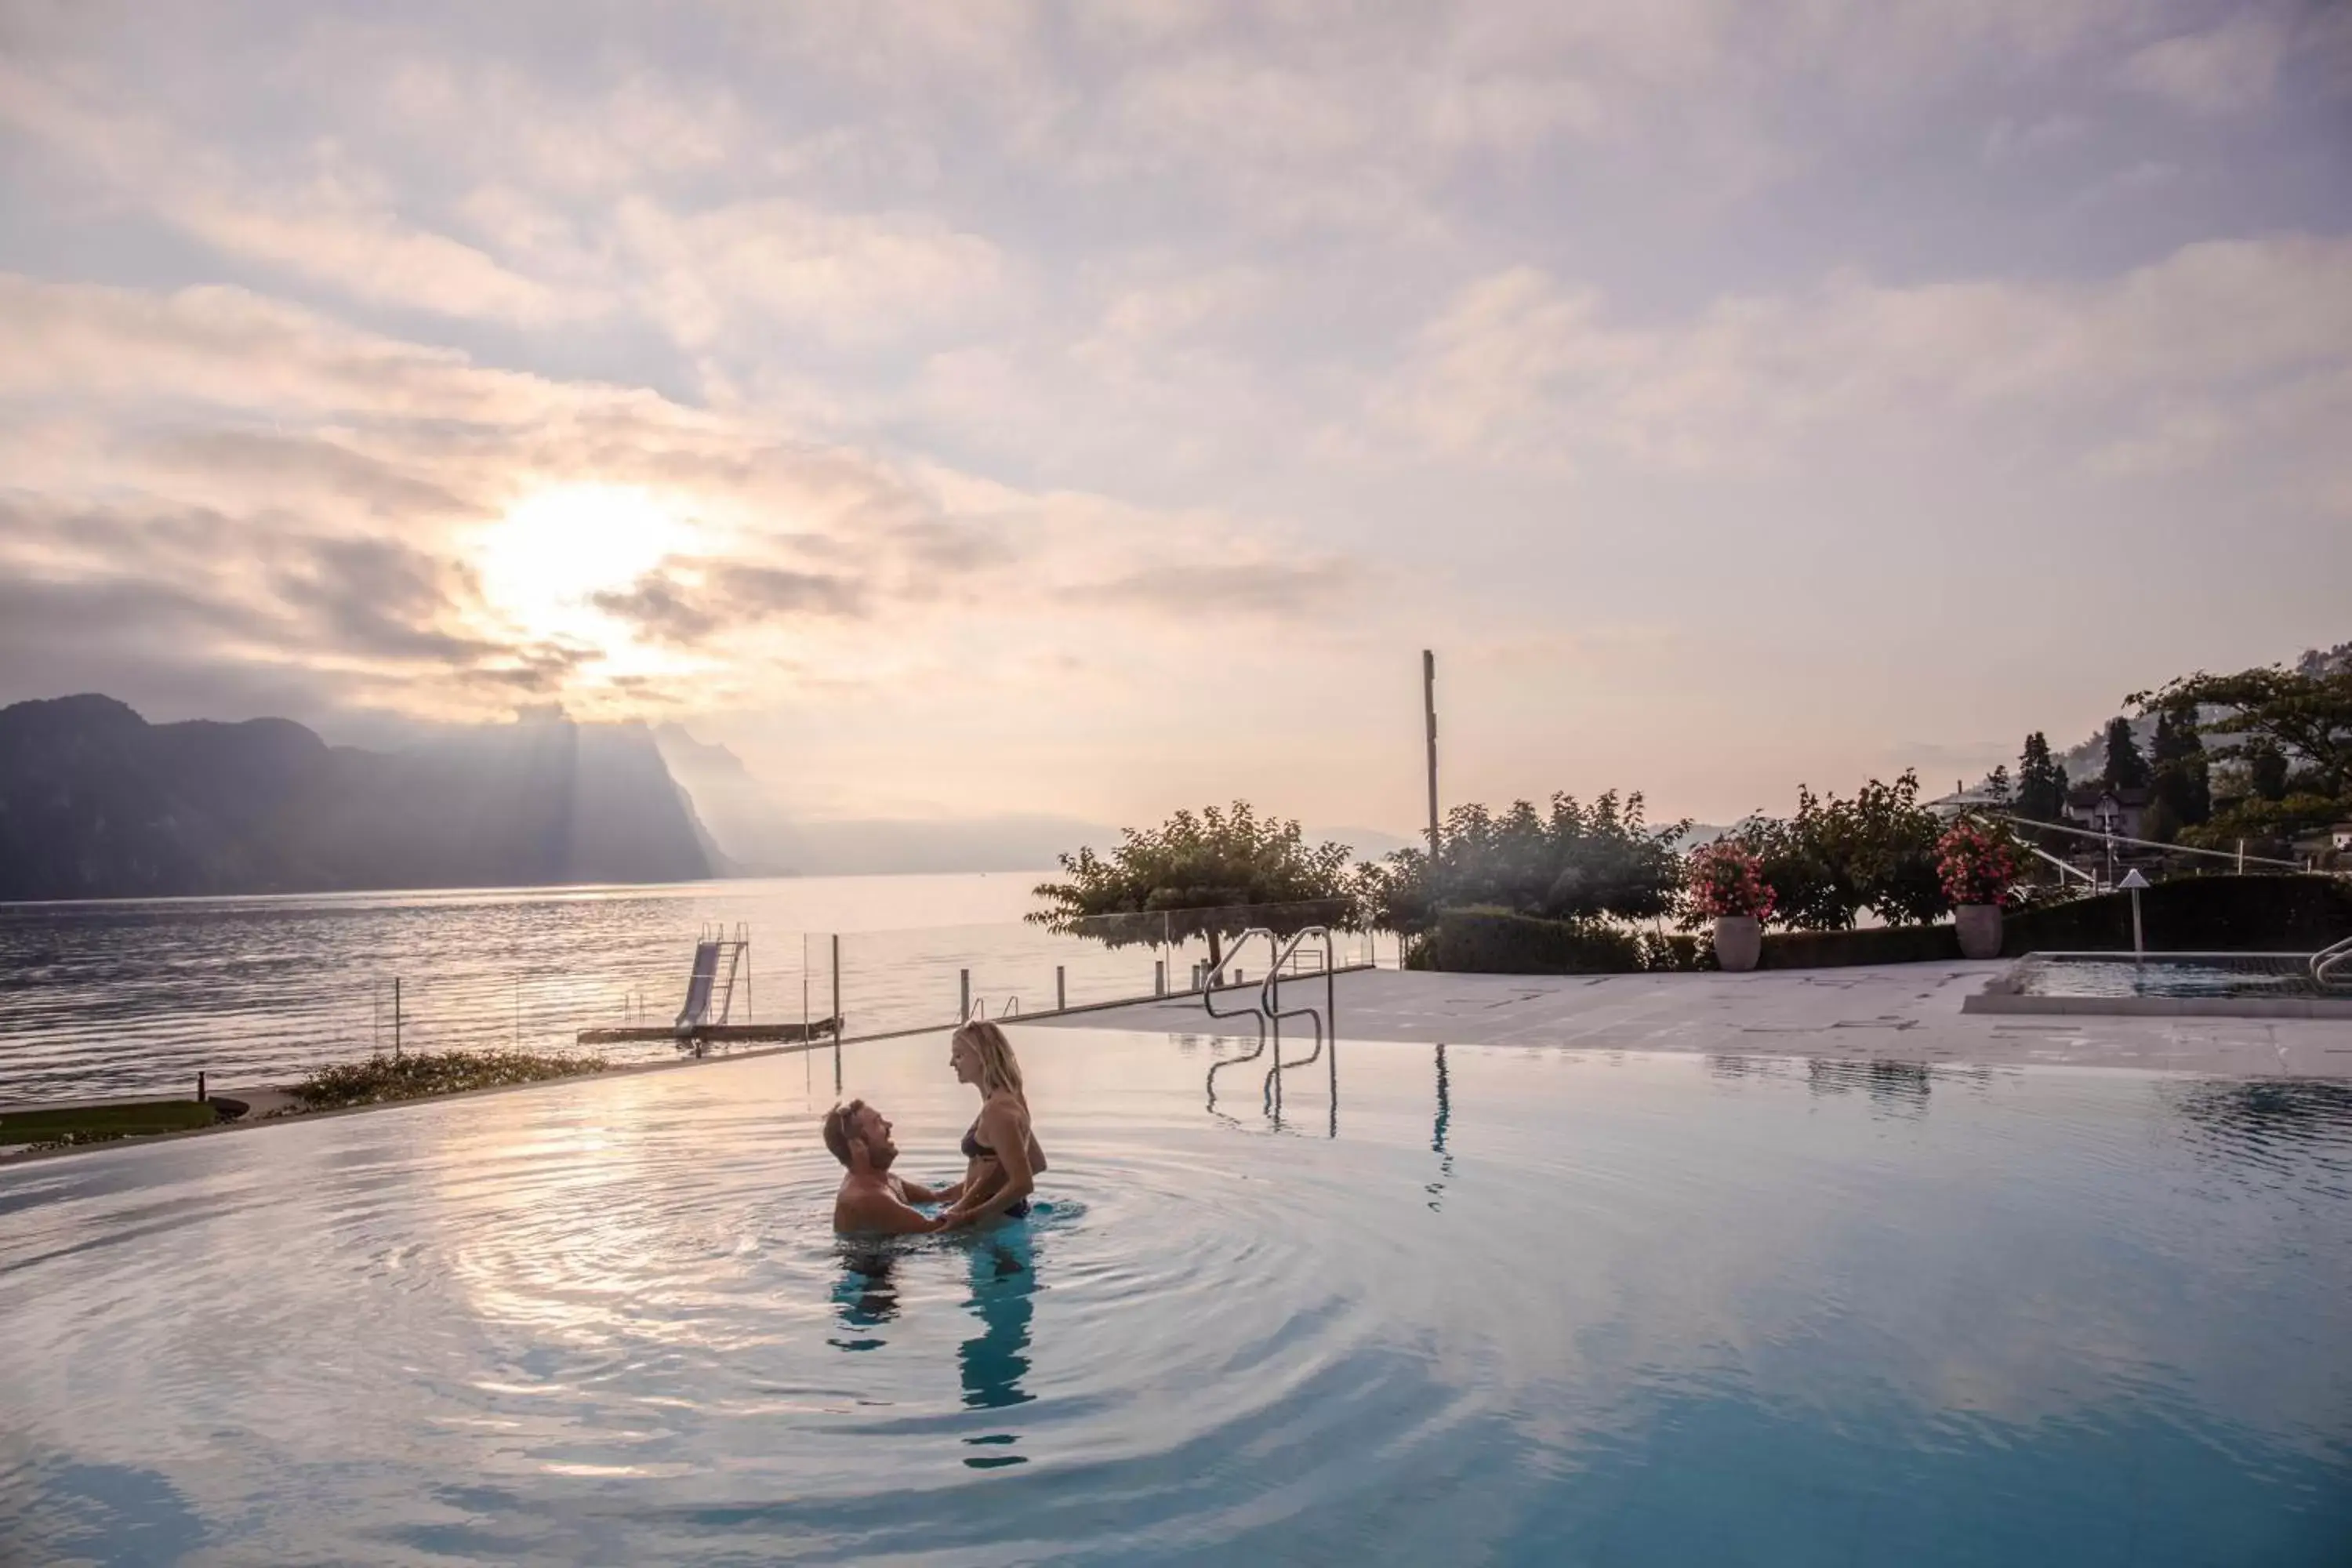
pixel 974 1149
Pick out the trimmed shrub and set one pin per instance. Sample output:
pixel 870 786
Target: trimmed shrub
pixel 2211 914
pixel 2194 914
pixel 1498 941
pixel 1876 944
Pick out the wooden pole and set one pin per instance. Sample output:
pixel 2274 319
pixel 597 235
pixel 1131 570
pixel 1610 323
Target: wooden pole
pixel 1429 712
pixel 396 1017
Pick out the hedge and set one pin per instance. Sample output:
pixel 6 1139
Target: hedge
pixel 1481 941
pixel 1873 944
pixel 2194 914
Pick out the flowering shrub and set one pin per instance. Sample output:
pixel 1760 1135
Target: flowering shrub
pixel 1977 863
pixel 1727 879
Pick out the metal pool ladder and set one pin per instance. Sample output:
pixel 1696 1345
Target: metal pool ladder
pixel 2327 961
pixel 1268 1012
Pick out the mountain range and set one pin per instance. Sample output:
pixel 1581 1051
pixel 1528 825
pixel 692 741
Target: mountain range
pixel 95 802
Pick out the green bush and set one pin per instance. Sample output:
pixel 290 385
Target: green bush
pixel 2194 914
pixel 421 1073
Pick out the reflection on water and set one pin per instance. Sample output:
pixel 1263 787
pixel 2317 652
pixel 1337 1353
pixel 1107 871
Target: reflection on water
pixel 1645 1310
pixel 867 1294
pixel 1436 1189
pixel 994 1361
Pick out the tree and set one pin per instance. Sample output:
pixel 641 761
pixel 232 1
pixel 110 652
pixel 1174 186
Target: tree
pixel 2267 772
pixel 1572 863
pixel 1996 787
pixel 1206 875
pixel 2304 717
pixel 2041 781
pixel 2127 768
pixel 2183 784
pixel 2285 733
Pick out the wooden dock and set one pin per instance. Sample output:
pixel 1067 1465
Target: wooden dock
pixel 715 1033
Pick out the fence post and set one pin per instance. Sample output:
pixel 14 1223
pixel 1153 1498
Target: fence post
pixel 1061 994
pixel 200 1086
pixel 964 1002
pixel 396 1017
pixel 1159 977
pixel 836 1013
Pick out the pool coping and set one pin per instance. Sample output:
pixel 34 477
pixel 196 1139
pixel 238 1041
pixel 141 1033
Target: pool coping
pixel 1999 995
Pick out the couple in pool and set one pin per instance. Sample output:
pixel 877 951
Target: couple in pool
pixel 1002 1159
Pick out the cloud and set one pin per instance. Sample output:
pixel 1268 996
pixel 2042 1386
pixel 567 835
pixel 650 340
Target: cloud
pixel 308 493
pixel 1522 367
pixel 1243 588
pixel 330 226
pixel 2226 70
pixel 728 599
pixel 846 278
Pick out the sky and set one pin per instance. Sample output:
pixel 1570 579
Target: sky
pixel 1095 408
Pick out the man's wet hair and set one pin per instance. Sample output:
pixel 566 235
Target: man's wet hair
pixel 836 1130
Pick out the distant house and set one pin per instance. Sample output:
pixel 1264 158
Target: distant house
pixel 2104 810
pixel 2340 836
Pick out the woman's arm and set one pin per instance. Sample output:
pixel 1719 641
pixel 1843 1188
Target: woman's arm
pixel 1007 1129
pixel 916 1192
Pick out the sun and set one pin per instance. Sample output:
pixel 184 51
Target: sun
pixel 545 561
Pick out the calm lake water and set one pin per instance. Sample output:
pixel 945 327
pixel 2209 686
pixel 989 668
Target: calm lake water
pixel 137 996
pixel 1505 1306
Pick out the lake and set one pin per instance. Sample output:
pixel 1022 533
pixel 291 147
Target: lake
pixel 138 997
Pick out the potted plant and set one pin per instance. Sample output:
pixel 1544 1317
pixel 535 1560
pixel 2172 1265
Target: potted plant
pixel 1728 885
pixel 1977 864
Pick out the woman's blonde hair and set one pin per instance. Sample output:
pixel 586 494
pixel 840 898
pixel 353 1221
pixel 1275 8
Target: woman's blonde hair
pixel 999 1067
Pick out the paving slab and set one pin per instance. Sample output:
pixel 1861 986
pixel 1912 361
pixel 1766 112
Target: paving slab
pixel 1900 1012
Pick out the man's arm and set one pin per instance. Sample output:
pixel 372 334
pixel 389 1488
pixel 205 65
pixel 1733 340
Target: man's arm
pixel 877 1211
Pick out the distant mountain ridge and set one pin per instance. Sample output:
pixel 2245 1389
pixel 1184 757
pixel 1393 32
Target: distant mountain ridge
pixel 97 803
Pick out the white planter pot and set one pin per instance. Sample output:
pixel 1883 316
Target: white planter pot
pixel 1979 926
pixel 1739 941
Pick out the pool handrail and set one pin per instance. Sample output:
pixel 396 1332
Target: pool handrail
pixel 2328 960
pixel 1209 1000
pixel 1324 1020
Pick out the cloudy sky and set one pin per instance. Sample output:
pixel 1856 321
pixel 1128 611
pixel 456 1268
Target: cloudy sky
pixel 1094 408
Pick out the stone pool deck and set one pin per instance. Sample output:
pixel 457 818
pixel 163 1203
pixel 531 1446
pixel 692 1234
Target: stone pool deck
pixel 1906 1013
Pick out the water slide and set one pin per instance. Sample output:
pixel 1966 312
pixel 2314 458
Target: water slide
pixel 693 1015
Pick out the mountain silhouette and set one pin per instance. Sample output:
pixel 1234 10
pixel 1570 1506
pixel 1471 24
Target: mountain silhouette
pixel 97 803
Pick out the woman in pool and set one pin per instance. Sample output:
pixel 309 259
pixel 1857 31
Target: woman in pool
pixel 1001 1152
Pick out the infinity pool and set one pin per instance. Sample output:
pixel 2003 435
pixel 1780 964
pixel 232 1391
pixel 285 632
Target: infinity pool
pixel 1503 1306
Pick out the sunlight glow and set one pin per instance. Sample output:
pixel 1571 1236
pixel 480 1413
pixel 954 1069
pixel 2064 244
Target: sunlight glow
pixel 543 564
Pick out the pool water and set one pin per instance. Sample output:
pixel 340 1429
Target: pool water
pixel 1496 1306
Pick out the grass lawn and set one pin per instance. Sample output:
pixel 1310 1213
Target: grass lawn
pixel 97 1123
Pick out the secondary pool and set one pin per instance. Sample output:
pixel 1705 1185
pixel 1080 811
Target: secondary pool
pixel 1503 1306
pixel 2182 976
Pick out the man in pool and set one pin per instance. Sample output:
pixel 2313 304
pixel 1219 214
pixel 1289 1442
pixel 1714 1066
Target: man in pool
pixel 872 1202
